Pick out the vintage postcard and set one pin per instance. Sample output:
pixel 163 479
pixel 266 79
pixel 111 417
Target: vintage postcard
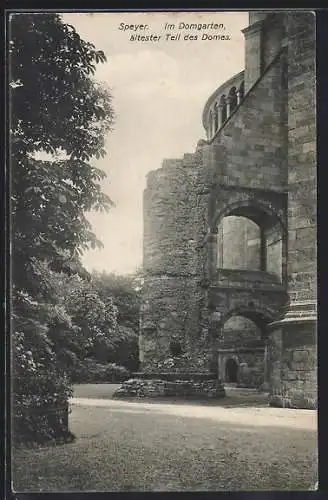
pixel 164 273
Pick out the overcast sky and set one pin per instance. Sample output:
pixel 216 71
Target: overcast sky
pixel 159 90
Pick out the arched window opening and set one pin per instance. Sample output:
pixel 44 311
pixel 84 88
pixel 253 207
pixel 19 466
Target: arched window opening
pixel 238 331
pixel 239 244
pixel 252 239
pixel 210 125
pixel 241 91
pixel 232 98
pixel 216 117
pixel 223 109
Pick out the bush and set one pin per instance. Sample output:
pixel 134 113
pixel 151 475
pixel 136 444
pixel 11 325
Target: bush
pixel 116 373
pixel 90 371
pixel 42 424
pixel 126 350
pixel 41 389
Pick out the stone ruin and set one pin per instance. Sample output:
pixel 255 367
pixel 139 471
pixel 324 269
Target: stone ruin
pixel 229 264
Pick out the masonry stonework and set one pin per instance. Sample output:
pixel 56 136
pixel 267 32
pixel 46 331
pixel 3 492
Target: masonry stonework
pixel 230 231
pixel 294 380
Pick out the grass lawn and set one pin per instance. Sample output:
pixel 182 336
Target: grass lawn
pixel 140 446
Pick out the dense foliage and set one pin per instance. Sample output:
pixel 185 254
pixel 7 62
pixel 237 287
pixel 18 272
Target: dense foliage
pixel 125 293
pixel 106 334
pixel 56 108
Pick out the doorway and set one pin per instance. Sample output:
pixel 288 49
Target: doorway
pixel 231 371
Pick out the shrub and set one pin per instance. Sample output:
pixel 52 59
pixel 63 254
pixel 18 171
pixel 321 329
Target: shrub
pixel 41 388
pixel 116 373
pixel 90 371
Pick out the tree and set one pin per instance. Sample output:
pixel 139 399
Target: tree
pixel 56 108
pixel 125 293
pixel 96 319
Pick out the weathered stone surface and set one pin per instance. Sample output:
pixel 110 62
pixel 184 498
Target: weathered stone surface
pixel 203 265
pixel 156 388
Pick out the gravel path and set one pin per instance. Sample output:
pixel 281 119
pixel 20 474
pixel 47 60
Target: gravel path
pixel 251 416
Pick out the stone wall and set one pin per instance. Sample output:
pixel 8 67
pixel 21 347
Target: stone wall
pixel 173 300
pixel 273 37
pixel 159 387
pixel 265 149
pixel 302 165
pixel 293 366
pixel 253 52
pixel 298 370
pixel 171 310
pixel 293 340
pixel 250 292
pixel 251 149
pixel 173 219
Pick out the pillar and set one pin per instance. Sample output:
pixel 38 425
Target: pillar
pixel 266 382
pixel 263 251
pixel 220 115
pixel 228 107
pixel 210 125
pixel 212 257
pixel 220 244
pixel 215 335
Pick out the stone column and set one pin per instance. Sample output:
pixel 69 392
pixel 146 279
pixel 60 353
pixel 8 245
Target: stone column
pixel 275 359
pixel 266 381
pixel 220 243
pixel 215 333
pixel 228 107
pixel 212 253
pixel 210 125
pixel 220 115
pixel 263 250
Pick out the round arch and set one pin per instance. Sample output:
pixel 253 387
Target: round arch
pixel 262 214
pixel 261 317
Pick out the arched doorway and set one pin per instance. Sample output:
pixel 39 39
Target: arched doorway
pixel 241 348
pixel 231 371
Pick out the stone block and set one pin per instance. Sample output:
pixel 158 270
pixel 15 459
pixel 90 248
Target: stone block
pixel 301 356
pixel 290 375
